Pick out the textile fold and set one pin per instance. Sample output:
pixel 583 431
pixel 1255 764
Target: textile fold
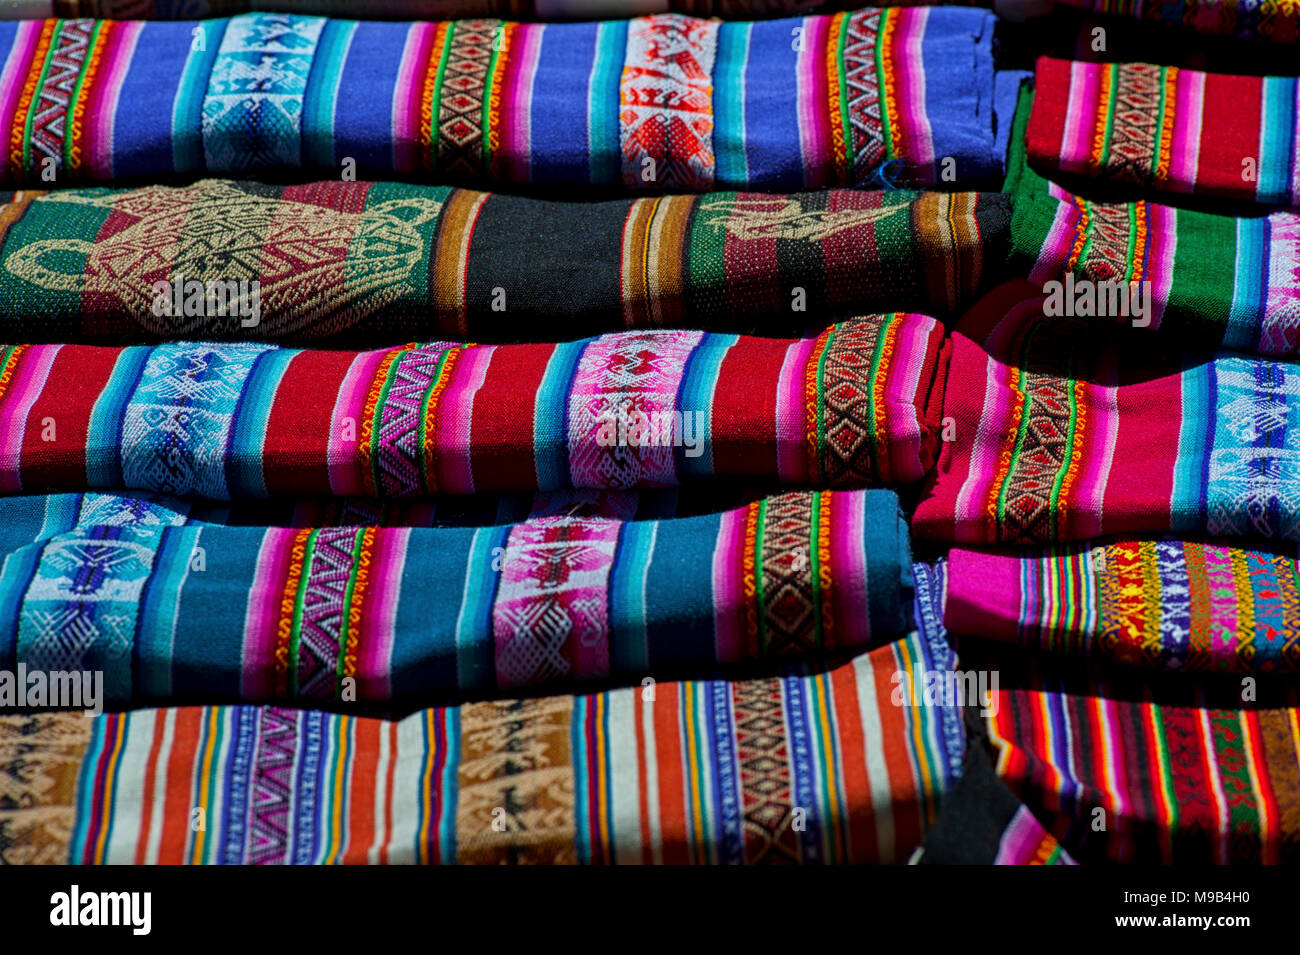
pixel 1169 129
pixel 392 615
pixel 1212 280
pixel 381 263
pixel 854 406
pixel 1131 771
pixel 663 102
pixel 1063 433
pixel 818 768
pixel 1172 605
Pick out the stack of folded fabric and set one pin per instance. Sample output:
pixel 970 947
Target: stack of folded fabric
pixel 482 435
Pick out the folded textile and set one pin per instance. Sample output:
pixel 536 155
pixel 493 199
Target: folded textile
pixel 27 518
pixel 1059 434
pixel 1122 773
pixel 1169 129
pixel 1169 604
pixel 982 823
pixel 811 769
pixel 660 102
pixel 1270 21
pixel 384 262
pixel 633 409
pixel 412 9
pixel 1212 279
pixel 363 614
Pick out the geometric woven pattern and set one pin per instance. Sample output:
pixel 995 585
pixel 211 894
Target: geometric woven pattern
pixel 550 619
pixel 252 110
pixel 666 109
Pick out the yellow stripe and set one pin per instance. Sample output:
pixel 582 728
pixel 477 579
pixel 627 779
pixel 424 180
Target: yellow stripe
pixel 205 770
pixel 918 743
pixel 835 820
pixel 426 788
pixel 340 768
pixel 101 846
pixel 602 788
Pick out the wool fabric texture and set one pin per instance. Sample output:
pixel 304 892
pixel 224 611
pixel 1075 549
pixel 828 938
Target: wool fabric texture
pixel 386 262
pixel 654 103
pixel 1173 605
pixel 696 772
pixel 1168 129
pixel 27 518
pixel 1187 774
pixel 850 407
pixel 364 614
pixel 1214 280
pixel 1062 434
pixel 416 9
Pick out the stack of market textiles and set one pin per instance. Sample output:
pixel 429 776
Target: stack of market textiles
pixel 504 440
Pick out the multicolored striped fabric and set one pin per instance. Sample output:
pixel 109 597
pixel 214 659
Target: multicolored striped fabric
pixel 384 262
pixel 1125 773
pixel 1060 434
pixel 1167 604
pixel 364 614
pixel 1169 129
pixel 27 518
pixel 653 103
pixel 410 9
pixel 1270 21
pixel 1213 279
pixel 814 769
pixel 634 409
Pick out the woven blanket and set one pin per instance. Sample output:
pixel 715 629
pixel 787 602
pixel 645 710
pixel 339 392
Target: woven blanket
pixel 27 518
pixel 378 263
pixel 356 614
pixel 818 768
pixel 1270 21
pixel 414 9
pixel 1168 604
pixel 633 409
pixel 1123 772
pixel 1212 279
pixel 1059 433
pixel 1169 129
pixel 654 103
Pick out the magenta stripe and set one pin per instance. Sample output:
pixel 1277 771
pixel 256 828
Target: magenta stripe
pixel 263 612
pixel 791 428
pixel 14 76
pixel 849 583
pixel 345 476
pixel 1223 606
pixel 28 381
pixel 1162 222
pixel 102 100
pixel 728 590
pixel 1020 840
pixel 406 96
pixel 1056 247
pixel 1080 116
pixel 1185 153
pixel 1102 408
pixel 379 614
pixel 902 379
pixel 451 452
pixel 812 93
pixel 909 97
pixel 516 101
